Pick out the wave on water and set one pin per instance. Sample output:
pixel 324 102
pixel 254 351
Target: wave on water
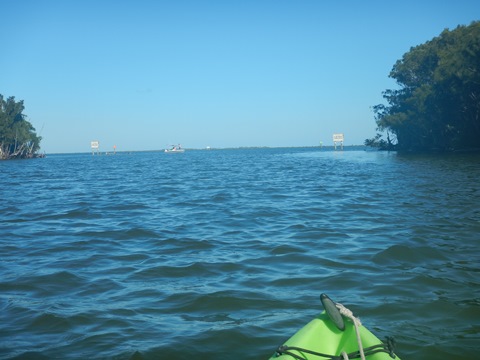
pixel 224 253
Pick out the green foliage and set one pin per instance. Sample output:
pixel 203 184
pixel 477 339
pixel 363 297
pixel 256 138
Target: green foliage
pixel 437 105
pixel 17 136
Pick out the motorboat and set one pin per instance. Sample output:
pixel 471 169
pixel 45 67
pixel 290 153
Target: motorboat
pixel 175 149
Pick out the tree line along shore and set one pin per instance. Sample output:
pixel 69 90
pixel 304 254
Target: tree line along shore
pixel 436 107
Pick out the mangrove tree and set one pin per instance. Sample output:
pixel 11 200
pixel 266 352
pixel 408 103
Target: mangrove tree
pixel 18 139
pixel 436 106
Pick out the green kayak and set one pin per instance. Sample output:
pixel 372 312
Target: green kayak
pixel 335 334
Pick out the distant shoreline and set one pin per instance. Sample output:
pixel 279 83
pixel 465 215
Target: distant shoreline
pixel 110 153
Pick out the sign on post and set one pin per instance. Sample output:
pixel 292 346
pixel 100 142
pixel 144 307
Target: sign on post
pixel 95 146
pixel 338 139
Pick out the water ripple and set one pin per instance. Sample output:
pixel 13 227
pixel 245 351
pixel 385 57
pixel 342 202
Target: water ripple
pixel 223 254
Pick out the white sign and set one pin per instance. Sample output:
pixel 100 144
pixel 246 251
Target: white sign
pixel 337 137
pixel 94 144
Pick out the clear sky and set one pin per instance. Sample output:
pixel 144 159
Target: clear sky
pixel 229 73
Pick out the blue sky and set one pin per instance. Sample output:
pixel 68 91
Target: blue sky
pixel 144 74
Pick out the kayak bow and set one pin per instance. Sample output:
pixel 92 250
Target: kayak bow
pixel 333 336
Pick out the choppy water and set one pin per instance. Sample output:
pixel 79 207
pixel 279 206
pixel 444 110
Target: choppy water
pixel 223 254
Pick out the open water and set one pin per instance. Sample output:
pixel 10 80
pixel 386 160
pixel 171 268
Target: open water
pixel 223 254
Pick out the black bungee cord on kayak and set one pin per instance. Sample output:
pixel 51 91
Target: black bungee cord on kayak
pixel 387 347
pixel 335 312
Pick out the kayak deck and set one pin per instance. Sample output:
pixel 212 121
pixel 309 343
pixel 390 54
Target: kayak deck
pixel 322 336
